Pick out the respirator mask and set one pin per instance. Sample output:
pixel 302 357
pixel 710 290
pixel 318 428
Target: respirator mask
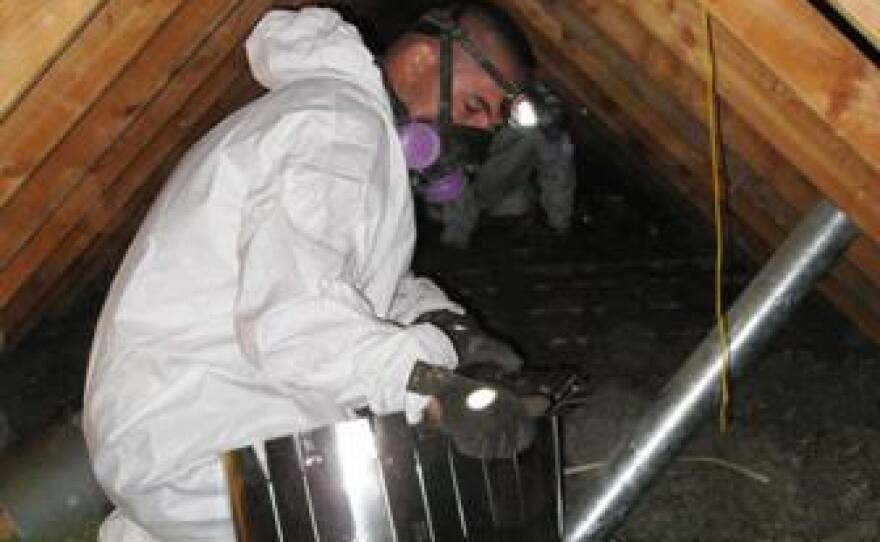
pixel 441 155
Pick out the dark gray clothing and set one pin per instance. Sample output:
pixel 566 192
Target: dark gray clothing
pixel 522 169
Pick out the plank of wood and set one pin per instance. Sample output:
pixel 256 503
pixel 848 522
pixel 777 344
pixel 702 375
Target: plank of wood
pixel 769 106
pixel 28 301
pixel 646 56
pixel 859 304
pixel 849 289
pixel 31 38
pixel 82 72
pixel 89 192
pixel 823 69
pixel 863 15
pixel 121 105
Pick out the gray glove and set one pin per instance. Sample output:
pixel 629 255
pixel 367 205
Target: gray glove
pixel 483 419
pixel 473 345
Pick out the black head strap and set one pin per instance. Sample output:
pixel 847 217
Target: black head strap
pixel 448 27
pixel 444 107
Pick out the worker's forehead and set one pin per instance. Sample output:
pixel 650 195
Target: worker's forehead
pixel 493 47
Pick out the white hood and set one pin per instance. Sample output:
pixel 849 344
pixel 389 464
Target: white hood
pixel 288 45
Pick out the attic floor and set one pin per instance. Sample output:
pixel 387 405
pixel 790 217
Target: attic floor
pixel 626 297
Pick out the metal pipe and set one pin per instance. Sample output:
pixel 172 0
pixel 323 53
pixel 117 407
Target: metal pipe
pixel 47 489
pixel 810 250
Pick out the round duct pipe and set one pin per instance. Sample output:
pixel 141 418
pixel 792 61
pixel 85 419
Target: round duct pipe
pixel 47 489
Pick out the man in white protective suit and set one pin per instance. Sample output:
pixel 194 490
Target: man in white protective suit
pixel 525 170
pixel 269 289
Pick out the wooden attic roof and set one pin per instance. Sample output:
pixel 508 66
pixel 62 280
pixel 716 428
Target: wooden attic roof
pixel 98 98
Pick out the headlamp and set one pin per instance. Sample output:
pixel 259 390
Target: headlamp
pixel 522 112
pixel 481 398
pixel 518 108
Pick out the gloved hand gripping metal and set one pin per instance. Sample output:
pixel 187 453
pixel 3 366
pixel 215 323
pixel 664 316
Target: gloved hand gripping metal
pixel 489 413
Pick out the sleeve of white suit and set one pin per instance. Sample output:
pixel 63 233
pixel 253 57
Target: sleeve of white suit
pixel 300 313
pixel 416 296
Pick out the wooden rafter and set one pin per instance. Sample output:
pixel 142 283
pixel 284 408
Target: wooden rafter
pixel 21 312
pixel 823 69
pixel 655 71
pixel 863 15
pixel 114 36
pixel 107 96
pixel 110 115
pixel 106 186
pixel 769 106
pixel 47 33
pixel 662 128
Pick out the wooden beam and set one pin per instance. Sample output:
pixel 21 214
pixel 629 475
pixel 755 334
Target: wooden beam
pixel 863 15
pixel 88 192
pixel 31 38
pixel 110 115
pixel 30 300
pixel 113 37
pixel 772 110
pixel 823 69
pixel 860 304
pixel 649 63
pixel 690 180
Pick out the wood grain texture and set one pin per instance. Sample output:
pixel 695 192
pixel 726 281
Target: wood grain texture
pixel 854 294
pixel 116 110
pixel 756 235
pixel 92 267
pixel 822 68
pixel 863 15
pixel 31 38
pixel 35 295
pixel 92 206
pixel 754 166
pixel 770 107
pixel 43 118
pixel 87 197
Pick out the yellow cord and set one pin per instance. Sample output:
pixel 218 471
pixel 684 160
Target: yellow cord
pixel 714 141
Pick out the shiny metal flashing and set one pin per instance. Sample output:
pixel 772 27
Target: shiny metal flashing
pixel 378 479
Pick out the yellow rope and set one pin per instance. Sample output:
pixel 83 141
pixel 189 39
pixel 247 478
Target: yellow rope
pixel 715 143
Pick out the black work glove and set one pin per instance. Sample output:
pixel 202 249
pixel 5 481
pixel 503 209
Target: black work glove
pixel 483 419
pixel 473 345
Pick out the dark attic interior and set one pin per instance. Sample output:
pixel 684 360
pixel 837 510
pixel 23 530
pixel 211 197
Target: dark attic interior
pixel 100 99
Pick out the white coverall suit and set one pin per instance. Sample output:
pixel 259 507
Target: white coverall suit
pixel 268 290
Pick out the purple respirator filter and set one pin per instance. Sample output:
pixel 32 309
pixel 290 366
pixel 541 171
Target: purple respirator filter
pixel 422 147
